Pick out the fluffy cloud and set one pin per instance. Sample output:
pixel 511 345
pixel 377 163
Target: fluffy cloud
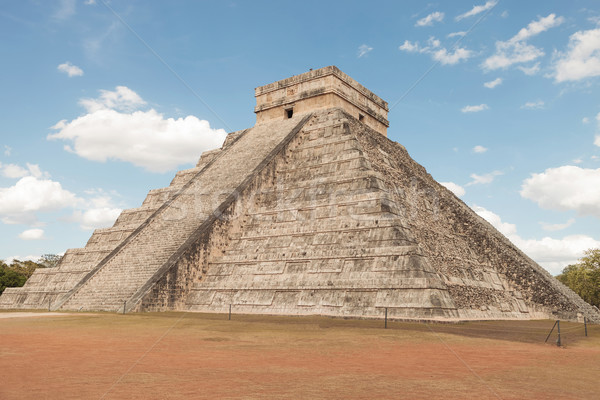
pixel 430 19
pixel 19 203
pixel 14 171
pixel 565 188
pixel 531 70
pixel 552 254
pixel 470 109
pixel 363 50
pixel 115 128
pixel 454 34
pixel 121 99
pixel 516 50
pixel 439 54
pixel 445 57
pixel 479 149
pixel 458 190
pixel 493 84
pixel 582 60
pixel 96 217
pixel 70 69
pixel 484 179
pixel 7 150
pixel 98 211
pixel 32 234
pixel 477 10
pixel 533 105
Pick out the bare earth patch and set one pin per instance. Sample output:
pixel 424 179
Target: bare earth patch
pixel 180 356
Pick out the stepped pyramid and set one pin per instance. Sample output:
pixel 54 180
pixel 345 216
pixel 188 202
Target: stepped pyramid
pixel 311 211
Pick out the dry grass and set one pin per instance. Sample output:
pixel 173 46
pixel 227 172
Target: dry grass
pixel 179 355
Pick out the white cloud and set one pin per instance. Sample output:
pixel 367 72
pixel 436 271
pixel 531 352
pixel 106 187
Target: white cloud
pixel 115 129
pixel 430 19
pixel 493 84
pixel 533 105
pixel 557 227
pixel 531 70
pixel 597 140
pixel 458 190
pixel 95 218
pixel 504 14
pixel 479 149
pixel 90 2
pixel 470 109
pixel 14 171
pixel 454 34
pixel 565 188
pixel 363 50
pixel 19 203
pixel 32 234
pixel 7 150
pixel 441 55
pixel 582 60
pixel 409 46
pixel 485 178
pixel 578 161
pixel 70 69
pixel 585 120
pixel 444 57
pixel 516 50
pixel 477 10
pixel 552 254
pixel 98 211
pixel 10 259
pixel 122 99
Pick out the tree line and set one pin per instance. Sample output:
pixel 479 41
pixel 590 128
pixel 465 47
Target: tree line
pixel 584 277
pixel 17 272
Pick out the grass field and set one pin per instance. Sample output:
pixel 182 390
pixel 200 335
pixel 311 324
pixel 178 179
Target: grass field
pixel 200 356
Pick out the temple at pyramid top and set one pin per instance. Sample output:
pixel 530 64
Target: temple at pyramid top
pixel 322 88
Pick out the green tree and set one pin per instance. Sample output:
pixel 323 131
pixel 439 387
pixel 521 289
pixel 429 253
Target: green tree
pixel 49 260
pixel 584 277
pixel 17 273
pixel 10 277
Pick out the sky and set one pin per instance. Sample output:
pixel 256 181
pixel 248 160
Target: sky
pixel 101 101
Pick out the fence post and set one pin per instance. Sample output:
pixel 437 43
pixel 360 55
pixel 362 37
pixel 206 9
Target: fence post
pixel 558 327
pixel 585 325
pixel 230 312
pixel 124 306
pixel 385 327
pixel 551 330
pixel 50 300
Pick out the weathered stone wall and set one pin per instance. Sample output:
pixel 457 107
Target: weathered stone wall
pixel 321 89
pixel 319 237
pixel 487 276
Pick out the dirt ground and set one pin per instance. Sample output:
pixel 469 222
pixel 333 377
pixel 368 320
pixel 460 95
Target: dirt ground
pixel 200 356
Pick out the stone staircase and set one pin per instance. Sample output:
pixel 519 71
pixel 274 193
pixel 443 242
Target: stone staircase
pixel 185 208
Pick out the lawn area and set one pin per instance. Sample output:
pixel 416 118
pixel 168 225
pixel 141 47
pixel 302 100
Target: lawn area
pixel 206 356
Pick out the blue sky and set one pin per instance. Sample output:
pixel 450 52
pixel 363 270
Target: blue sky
pixel 101 101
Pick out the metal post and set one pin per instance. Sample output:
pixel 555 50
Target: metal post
pixel 230 312
pixel 385 318
pixel 558 327
pixel 124 306
pixel 585 325
pixel 551 330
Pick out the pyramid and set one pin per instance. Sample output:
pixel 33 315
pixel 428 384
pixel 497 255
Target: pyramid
pixel 311 211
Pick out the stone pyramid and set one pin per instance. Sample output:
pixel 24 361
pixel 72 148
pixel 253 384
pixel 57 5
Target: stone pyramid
pixel 311 211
